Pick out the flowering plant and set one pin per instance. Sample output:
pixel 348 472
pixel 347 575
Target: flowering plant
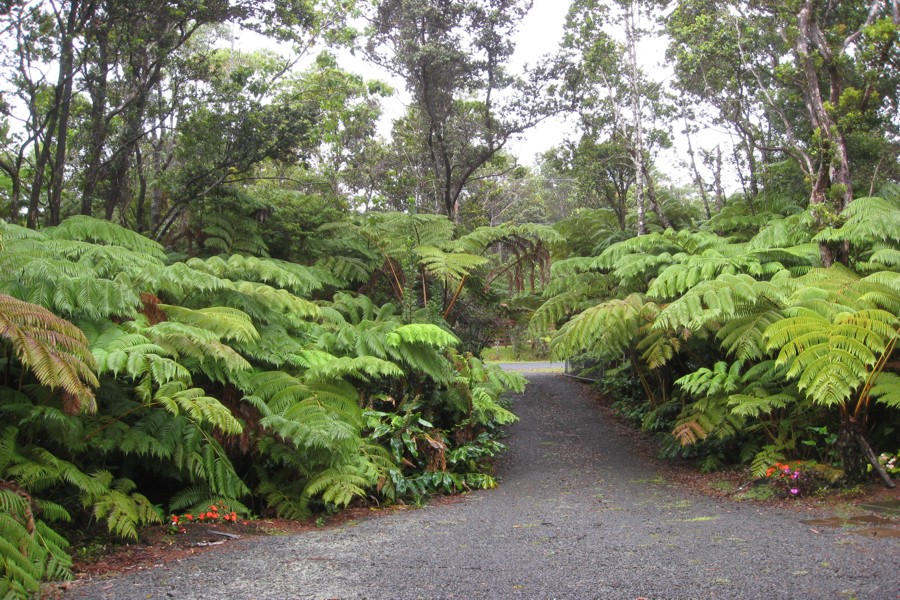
pixel 890 462
pixel 786 477
pixel 214 514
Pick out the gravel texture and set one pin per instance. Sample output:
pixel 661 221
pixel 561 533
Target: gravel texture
pixel 578 514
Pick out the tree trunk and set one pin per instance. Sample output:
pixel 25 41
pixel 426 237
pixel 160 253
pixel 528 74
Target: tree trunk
pixel 834 165
pixel 853 460
pixel 140 211
pixel 857 453
pixel 67 72
pixel 654 202
pixel 717 181
pixel 97 85
pixel 637 153
pixel 40 166
pixel 698 179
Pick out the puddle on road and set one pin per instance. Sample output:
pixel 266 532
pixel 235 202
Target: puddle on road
pixel 891 507
pixel 875 526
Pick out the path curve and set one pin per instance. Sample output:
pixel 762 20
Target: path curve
pixel 577 515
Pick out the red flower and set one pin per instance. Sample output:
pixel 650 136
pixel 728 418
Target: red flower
pixel 189 517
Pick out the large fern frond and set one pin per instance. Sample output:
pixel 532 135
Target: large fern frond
pixel 226 323
pixel 831 356
pixel 867 221
pixel 53 349
pixel 607 329
pixel 177 398
pixel 290 276
pixel 99 231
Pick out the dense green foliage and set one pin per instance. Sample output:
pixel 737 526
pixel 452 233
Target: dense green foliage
pixel 173 384
pixel 746 348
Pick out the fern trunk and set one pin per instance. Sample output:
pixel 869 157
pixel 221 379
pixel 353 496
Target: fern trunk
pixel 854 462
pixel 857 454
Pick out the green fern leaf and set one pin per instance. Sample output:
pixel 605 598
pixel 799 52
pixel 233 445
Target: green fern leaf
pixel 886 390
pixel 99 231
pixel 226 323
pixel 53 349
pixel 427 334
pixel 608 328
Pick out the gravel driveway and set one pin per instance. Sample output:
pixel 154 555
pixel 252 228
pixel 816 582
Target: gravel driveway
pixel 577 515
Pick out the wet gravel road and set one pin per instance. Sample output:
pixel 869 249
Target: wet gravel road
pixel 577 515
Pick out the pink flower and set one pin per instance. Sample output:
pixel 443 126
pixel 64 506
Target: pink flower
pixel 795 491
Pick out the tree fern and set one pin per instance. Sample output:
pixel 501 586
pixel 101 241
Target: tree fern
pixel 886 390
pixel 667 242
pixel 866 221
pixel 228 233
pixel 121 508
pixel 114 348
pixel 202 461
pixel 689 270
pixel 722 379
pixel 30 551
pixel 831 356
pixel 725 297
pixel 483 237
pixel 180 280
pixel 365 368
pixel 225 323
pixel 790 232
pixel 341 271
pixel 336 486
pixel 430 335
pixel 703 418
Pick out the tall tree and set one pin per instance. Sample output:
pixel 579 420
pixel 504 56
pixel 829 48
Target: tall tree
pixel 453 56
pixel 617 106
pixel 823 75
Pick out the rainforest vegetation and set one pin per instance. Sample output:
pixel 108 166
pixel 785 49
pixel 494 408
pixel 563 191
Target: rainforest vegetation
pixel 224 281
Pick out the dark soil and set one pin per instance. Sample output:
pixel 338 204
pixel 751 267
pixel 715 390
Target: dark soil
pixel 584 510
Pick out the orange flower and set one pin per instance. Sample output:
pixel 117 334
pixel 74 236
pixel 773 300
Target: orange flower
pixel 189 517
pixel 175 519
pixel 769 471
